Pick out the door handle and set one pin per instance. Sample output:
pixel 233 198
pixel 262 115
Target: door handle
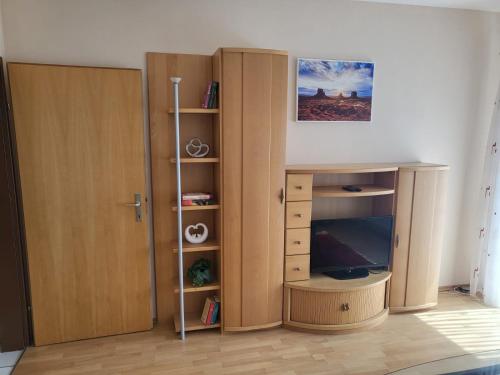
pixel 282 195
pixel 396 241
pixel 138 207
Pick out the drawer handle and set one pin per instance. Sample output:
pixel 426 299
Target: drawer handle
pixel 297 268
pixel 298 187
pixel 297 242
pixel 298 215
pixel 345 307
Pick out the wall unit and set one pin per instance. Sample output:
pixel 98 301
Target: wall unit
pixel 254 100
pixel 198 175
pixel 414 193
pixel 421 198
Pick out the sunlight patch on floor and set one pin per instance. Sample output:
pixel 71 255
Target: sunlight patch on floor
pixel 472 330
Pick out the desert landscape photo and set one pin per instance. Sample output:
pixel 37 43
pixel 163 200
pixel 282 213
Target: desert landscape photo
pixel 332 90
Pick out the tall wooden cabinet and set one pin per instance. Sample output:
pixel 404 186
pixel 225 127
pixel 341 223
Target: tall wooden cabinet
pixel 254 99
pixel 421 196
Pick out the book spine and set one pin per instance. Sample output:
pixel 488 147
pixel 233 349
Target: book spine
pixel 216 96
pixel 213 95
pixel 206 309
pixel 216 312
pixel 208 321
pixel 207 96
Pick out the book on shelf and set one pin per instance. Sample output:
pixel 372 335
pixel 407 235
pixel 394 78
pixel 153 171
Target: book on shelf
pixel 210 310
pixel 198 202
pixel 195 196
pixel 210 98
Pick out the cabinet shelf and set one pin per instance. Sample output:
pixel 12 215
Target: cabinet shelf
pixel 209 245
pixel 197 208
pixel 192 322
pixel 195 160
pixel 189 288
pixel 336 191
pixel 195 110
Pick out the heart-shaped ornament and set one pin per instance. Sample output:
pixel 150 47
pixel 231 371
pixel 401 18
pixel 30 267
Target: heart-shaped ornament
pixel 197 233
pixel 196 148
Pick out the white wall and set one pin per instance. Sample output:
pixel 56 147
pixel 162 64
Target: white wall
pixel 428 77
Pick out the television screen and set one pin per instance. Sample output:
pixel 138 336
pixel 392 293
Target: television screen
pixel 344 244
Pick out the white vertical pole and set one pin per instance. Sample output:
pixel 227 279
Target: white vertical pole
pixel 176 81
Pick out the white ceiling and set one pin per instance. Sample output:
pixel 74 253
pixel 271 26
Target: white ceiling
pixel 487 5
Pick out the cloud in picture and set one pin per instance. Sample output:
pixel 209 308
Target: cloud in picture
pixel 335 77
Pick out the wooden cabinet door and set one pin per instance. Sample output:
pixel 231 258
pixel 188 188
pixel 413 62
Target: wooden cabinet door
pixel 402 229
pixel 421 197
pixel 426 239
pixel 80 144
pixel 254 95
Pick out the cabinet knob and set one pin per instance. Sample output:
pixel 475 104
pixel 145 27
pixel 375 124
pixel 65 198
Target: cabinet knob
pixel 299 187
pixel 345 307
pixel 298 215
pixel 297 242
pixel 297 268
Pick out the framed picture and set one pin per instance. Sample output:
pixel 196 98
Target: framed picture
pixel 334 90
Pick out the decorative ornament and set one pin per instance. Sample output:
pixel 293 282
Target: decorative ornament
pixel 199 273
pixel 197 233
pixel 196 148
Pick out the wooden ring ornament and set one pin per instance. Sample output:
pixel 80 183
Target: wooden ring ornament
pixel 194 235
pixel 196 148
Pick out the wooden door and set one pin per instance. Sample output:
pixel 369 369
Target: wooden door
pixel 426 239
pixel 402 229
pixel 81 158
pixel 254 95
pixel 421 197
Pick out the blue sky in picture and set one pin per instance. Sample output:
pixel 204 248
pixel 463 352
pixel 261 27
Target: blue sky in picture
pixel 335 77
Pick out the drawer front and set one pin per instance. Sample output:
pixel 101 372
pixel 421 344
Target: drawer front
pixel 332 308
pixel 299 187
pixel 298 241
pixel 298 214
pixel 296 267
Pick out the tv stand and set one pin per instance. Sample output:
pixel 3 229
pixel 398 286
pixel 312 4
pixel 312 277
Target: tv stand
pixel 325 305
pixel 348 274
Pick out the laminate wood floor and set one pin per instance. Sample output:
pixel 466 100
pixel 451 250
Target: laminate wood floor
pixel 458 326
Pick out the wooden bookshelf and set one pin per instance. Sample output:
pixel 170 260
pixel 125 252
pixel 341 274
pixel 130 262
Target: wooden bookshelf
pixel 336 191
pixel 192 322
pixel 189 288
pixel 197 174
pixel 209 245
pixel 197 208
pixel 195 110
pixel 196 160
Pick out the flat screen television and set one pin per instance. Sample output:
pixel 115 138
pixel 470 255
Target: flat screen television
pixel 348 248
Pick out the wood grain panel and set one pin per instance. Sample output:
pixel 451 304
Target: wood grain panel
pixel 196 71
pixel 402 229
pixel 279 96
pixel 232 101
pixel 425 241
pixel 298 241
pixel 297 267
pixel 81 157
pixel 254 92
pixel 299 187
pixel 326 308
pixel 298 214
pixel 256 175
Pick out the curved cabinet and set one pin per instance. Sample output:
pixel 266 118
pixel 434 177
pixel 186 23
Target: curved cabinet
pixel 254 98
pixel 418 236
pixel 327 305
